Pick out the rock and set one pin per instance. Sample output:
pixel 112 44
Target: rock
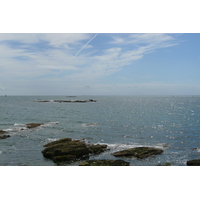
pixel 104 163
pixel 193 162
pixel 138 152
pixel 33 125
pixel 70 150
pixel 2 132
pixel 67 101
pixel 165 164
pixel 97 149
pixel 4 136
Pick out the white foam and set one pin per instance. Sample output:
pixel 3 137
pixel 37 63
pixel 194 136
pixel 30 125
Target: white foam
pixel 120 146
pixel 89 125
pixel 51 139
pixel 16 124
pixel 49 124
pixel 8 130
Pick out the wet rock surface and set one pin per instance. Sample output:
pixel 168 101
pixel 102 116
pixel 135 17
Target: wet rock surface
pixel 68 101
pixel 138 152
pixel 33 125
pixel 4 136
pixel 71 150
pixel 104 163
pixel 2 132
pixel 164 164
pixel 193 162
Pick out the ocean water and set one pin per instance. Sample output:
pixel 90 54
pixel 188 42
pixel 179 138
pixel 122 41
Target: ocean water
pixel 171 123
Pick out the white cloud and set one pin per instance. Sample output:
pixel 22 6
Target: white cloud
pixel 58 58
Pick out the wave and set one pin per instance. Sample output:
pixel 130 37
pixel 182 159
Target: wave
pixel 120 146
pixel 23 127
pixel 89 125
pixel 49 124
pixel 51 139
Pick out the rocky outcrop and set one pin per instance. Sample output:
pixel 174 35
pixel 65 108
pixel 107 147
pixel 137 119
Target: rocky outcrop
pixel 33 125
pixel 4 136
pixel 193 162
pixel 68 101
pixel 71 150
pixel 104 163
pixel 138 152
pixel 2 132
pixel 165 164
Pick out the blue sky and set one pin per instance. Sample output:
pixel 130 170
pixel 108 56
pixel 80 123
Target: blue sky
pixel 100 64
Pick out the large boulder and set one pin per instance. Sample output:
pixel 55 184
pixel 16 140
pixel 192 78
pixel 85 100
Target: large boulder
pixel 138 152
pixel 193 162
pixel 104 163
pixel 71 150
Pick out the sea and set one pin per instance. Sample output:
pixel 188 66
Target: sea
pixel 171 123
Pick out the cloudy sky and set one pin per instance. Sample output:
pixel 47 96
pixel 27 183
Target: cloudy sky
pixel 99 64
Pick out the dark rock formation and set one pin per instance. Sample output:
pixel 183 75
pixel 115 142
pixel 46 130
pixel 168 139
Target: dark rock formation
pixel 104 163
pixel 138 152
pixel 97 148
pixel 165 164
pixel 4 136
pixel 68 101
pixel 193 162
pixel 70 150
pixel 2 132
pixel 33 125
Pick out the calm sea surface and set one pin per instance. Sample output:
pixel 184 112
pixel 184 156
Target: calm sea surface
pixel 171 123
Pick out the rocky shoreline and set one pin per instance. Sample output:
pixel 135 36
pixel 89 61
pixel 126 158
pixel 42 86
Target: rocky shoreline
pixel 68 151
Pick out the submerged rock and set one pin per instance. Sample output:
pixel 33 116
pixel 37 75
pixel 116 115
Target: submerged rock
pixel 70 150
pixel 193 162
pixel 138 152
pixel 33 125
pixel 4 136
pixel 2 132
pixel 104 163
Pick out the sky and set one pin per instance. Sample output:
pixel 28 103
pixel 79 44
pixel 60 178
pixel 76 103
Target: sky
pixel 99 63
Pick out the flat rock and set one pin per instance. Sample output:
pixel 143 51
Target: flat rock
pixel 4 136
pixel 2 132
pixel 164 164
pixel 33 125
pixel 193 162
pixel 104 163
pixel 138 152
pixel 68 101
pixel 70 150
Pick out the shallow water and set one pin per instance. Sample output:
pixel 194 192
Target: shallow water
pixel 167 122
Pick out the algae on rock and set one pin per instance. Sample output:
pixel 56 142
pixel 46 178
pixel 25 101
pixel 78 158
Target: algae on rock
pixel 71 150
pixel 138 152
pixel 193 162
pixel 104 163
